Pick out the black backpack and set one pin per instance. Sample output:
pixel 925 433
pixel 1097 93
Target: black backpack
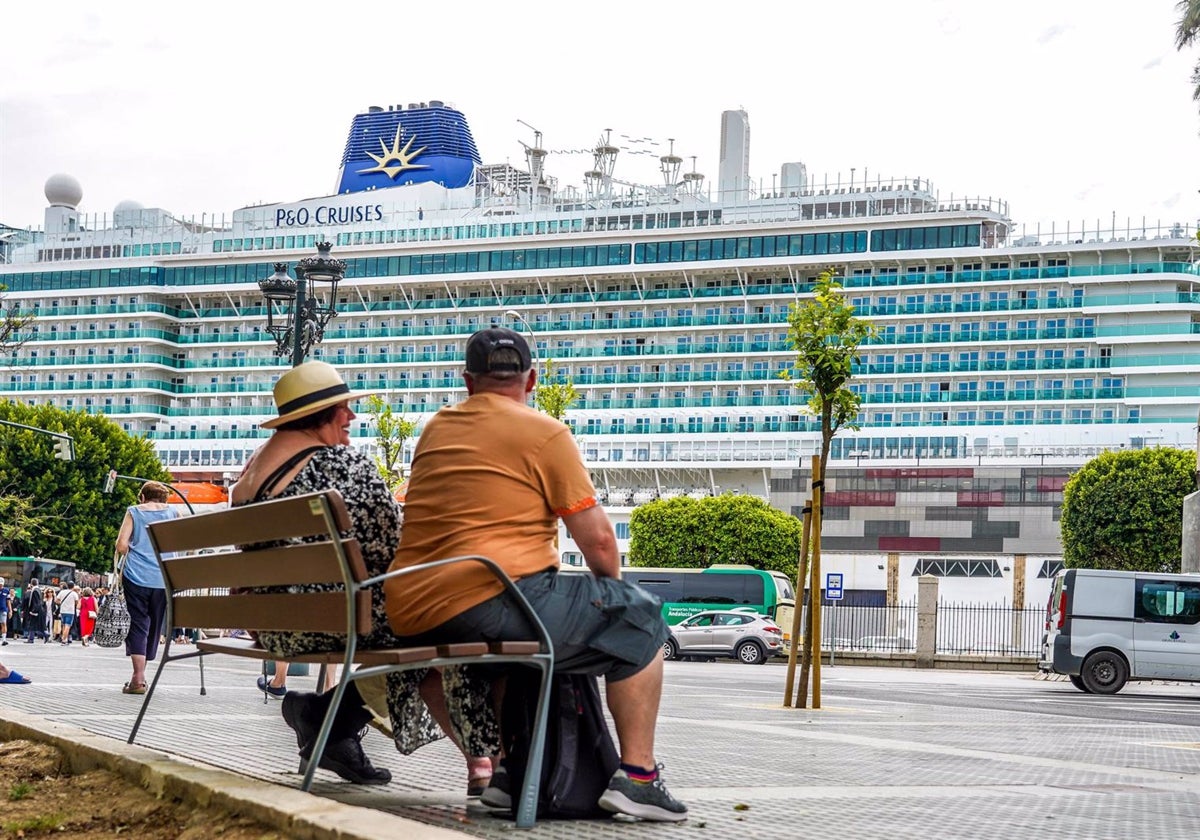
pixel 579 757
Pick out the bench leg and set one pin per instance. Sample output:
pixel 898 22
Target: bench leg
pixel 527 804
pixel 137 724
pixel 203 690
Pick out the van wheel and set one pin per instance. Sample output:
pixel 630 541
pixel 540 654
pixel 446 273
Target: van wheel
pixel 750 653
pixel 1078 683
pixel 670 650
pixel 1104 672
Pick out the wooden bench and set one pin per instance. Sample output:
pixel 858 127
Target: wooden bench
pixel 198 587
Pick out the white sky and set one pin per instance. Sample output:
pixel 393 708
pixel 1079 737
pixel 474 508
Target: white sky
pixel 1069 109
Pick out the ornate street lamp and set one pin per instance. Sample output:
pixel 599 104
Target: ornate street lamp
pixel 279 289
pixel 304 317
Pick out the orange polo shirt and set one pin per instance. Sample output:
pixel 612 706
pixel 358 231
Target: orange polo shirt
pixel 490 476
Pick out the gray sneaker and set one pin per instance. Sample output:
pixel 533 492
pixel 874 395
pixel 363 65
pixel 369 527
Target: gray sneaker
pixel 644 800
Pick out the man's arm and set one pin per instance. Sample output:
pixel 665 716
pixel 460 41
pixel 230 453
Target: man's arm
pixel 593 533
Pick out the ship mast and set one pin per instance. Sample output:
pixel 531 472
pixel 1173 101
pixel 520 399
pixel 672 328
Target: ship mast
pixel 692 181
pixel 599 178
pixel 669 165
pixel 535 159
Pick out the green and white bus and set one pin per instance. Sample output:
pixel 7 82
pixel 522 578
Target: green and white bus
pixel 686 592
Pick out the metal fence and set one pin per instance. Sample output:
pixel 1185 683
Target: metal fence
pixel 998 629
pixel 993 629
pixel 887 629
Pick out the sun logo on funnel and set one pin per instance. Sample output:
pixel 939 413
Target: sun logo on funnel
pixel 395 160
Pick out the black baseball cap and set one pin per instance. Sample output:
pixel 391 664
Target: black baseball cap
pixel 484 343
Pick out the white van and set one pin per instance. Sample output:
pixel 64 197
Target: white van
pixel 1104 628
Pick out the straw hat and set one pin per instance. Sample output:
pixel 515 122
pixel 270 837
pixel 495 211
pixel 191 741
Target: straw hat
pixel 306 389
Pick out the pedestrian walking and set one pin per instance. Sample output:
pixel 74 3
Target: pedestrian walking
pixel 68 607
pixel 6 609
pixel 34 604
pixel 50 622
pixel 88 610
pixel 145 590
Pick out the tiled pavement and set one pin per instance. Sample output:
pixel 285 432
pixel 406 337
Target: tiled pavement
pixel 882 762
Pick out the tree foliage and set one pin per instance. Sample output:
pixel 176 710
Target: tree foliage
pixel 554 397
pixel 61 509
pixel 1124 510
pixel 22 521
pixel 826 335
pixel 696 533
pixel 391 431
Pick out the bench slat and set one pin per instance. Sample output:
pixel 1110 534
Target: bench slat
pixel 250 648
pixel 515 648
pixel 279 566
pixel 316 612
pixel 463 649
pixel 295 516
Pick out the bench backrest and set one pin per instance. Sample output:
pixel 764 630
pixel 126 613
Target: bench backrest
pixel 198 585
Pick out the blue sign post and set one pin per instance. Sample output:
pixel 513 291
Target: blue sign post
pixel 833 586
pixel 833 592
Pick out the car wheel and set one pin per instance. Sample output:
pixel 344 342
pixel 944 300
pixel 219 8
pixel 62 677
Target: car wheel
pixel 670 650
pixel 1104 672
pixel 1078 683
pixel 750 653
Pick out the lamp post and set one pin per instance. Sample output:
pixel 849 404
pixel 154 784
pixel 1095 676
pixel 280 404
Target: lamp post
pixel 517 316
pixel 304 317
pixel 110 482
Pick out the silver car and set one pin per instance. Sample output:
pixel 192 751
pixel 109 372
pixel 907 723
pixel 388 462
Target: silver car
pixel 749 637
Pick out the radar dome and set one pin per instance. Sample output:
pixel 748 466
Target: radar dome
pixel 63 190
pixel 128 205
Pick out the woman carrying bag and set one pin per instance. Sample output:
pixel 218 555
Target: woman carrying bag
pixel 142 581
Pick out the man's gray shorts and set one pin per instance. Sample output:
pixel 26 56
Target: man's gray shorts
pixel 597 625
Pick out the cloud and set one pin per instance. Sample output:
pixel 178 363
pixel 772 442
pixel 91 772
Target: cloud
pixel 1154 62
pixel 1171 200
pixel 1051 32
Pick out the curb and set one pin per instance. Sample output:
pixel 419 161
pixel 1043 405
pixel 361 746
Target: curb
pixel 299 815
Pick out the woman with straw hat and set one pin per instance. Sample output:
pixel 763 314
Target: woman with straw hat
pixel 310 451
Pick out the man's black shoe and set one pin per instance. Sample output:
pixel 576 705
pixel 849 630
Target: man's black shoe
pixel 295 706
pixel 347 759
pixel 344 757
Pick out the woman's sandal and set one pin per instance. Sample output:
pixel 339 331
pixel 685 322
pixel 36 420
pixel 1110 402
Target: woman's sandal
pixel 134 689
pixel 478 778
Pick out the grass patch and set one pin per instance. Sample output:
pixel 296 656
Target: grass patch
pixel 45 822
pixel 19 791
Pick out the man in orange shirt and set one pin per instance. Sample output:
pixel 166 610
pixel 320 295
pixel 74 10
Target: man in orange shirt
pixel 491 476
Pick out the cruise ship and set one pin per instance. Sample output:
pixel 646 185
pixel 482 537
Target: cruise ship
pixel 1005 358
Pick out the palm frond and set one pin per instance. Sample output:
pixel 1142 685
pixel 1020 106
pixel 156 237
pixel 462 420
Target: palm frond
pixel 1189 23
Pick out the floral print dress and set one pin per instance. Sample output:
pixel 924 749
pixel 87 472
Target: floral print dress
pixel 376 518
